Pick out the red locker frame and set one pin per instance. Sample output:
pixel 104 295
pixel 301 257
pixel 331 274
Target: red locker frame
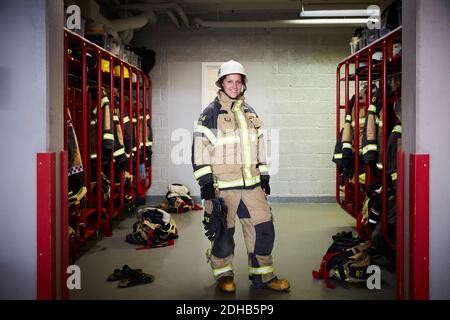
pixel 98 213
pixel 351 196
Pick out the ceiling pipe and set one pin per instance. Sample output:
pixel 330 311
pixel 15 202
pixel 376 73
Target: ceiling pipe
pixel 158 7
pixel 135 22
pixel 173 18
pixel 279 23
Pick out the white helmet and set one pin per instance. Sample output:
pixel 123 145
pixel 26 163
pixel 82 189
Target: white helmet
pixel 230 67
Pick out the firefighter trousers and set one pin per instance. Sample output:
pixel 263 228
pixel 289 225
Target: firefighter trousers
pixel 257 225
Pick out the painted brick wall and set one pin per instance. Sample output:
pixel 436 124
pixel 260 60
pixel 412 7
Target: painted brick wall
pixel 299 93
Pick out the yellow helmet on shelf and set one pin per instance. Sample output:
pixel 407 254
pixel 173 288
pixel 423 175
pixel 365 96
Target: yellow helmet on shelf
pixel 126 74
pixel 105 65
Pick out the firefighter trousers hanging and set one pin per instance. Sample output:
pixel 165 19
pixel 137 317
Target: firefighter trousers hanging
pixel 253 211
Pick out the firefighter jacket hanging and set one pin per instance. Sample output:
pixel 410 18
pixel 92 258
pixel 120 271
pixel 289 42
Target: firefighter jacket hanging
pixel 228 152
pixel 146 139
pixel 345 146
pixel 107 141
pixel 77 186
pixel 121 140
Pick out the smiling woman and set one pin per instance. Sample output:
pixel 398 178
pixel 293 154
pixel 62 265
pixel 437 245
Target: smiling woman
pixel 238 187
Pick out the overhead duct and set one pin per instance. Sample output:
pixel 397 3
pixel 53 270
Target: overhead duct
pixel 129 23
pixel 279 23
pixel 173 18
pixel 125 26
pixel 158 7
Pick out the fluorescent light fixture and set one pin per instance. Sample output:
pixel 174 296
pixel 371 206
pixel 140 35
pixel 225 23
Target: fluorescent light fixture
pixel 334 13
pixel 328 21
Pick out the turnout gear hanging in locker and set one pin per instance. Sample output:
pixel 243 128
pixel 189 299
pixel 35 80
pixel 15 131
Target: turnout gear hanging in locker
pixel 228 155
pixel 77 187
pixel 107 141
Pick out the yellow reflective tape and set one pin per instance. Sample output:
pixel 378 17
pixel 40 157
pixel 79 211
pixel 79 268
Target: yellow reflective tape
pixel 93 122
pixel 119 152
pixel 227 140
pixel 394 176
pixel 134 120
pixel 134 149
pixel 245 140
pixel 346 145
pixel 147 117
pixel 259 132
pixel 115 118
pixel 370 147
pixel 105 100
pixel 108 136
pixel 263 168
pixel 373 108
pixel 261 270
pixel 362 178
pixel 148 144
pixel 380 166
pixel 338 156
pixel 348 118
pixel 94 156
pixel 208 133
pixel 252 181
pixel 397 129
pixel 230 184
pixel 201 172
pixel 362 121
pixel 218 271
pixel 126 119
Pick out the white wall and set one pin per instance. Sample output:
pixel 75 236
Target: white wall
pixel 291 85
pixel 426 116
pixel 29 30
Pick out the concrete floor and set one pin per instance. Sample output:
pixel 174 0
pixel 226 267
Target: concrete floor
pixel 303 233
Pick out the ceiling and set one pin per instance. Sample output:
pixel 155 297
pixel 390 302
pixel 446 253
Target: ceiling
pixel 228 10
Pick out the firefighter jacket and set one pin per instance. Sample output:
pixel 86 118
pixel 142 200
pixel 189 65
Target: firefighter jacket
pixel 146 140
pixel 394 144
pixel 347 135
pixel 127 130
pixel 77 187
pixel 107 131
pixel 228 146
pixel 371 137
pixel 119 155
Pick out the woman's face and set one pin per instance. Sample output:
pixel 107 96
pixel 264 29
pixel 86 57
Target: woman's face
pixel 232 85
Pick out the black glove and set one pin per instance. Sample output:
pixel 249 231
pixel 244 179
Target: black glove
pixel 216 221
pixel 265 185
pixel 207 191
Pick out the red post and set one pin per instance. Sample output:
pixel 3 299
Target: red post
pixel 85 128
pixel 138 134
pixel 400 220
pixel 150 88
pixel 419 226
pixel 338 124
pixel 356 140
pixel 46 226
pixel 64 224
pixel 99 139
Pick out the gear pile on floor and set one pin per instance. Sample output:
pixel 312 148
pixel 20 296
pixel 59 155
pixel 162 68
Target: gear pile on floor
pixel 129 277
pixel 346 259
pixel 179 200
pixel 154 228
